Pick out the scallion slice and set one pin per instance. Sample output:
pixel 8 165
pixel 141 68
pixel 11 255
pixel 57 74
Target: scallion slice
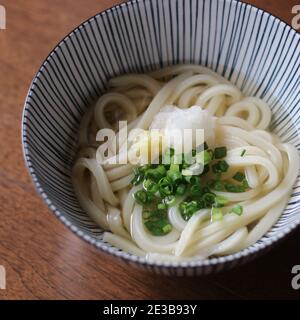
pixel 238 209
pixel 216 214
pixel 239 176
pixel 220 152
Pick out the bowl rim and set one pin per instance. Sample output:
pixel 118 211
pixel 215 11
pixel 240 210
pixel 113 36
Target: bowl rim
pixel 251 252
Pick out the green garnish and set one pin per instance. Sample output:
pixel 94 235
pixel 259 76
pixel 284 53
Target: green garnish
pixel 216 214
pixel 220 152
pixel 220 201
pixel 234 188
pixel 209 198
pixel 150 186
pixel 243 152
pixel 204 157
pixel 162 206
pixel 174 173
pixel 245 184
pixel 220 167
pixel 164 184
pixel 156 173
pixel 165 187
pixel 169 200
pixel 196 190
pixel 167 228
pixel 180 190
pixel 239 176
pixel 141 197
pixel 187 209
pixel 157 222
pixel 192 179
pixel 237 209
pixel 138 176
pixel 217 185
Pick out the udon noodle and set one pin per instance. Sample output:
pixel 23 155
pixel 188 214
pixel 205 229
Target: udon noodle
pixel 267 166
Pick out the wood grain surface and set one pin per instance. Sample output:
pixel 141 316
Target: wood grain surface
pixel 43 259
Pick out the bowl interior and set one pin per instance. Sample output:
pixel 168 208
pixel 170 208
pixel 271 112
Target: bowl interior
pixel 251 48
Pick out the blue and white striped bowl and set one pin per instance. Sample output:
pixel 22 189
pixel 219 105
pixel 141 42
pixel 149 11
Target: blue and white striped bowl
pixel 250 47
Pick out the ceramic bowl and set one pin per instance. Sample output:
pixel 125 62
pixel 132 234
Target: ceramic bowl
pixel 253 49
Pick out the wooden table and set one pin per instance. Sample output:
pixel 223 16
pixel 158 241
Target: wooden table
pixel 43 259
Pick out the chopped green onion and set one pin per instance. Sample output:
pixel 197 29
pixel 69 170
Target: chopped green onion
pixel 187 209
pixel 161 170
pixel 209 198
pixel 180 190
pixel 150 186
pixel 223 165
pixel 239 176
pixel 165 187
pixel 220 152
pixel 169 200
pixel 220 201
pixel 158 227
pixel 233 188
pixel 156 173
pixel 174 175
pixel 136 180
pixel 144 168
pixel 220 166
pixel 204 157
pixel 141 196
pixel 201 204
pixel 167 228
pixel 138 176
pixel 192 179
pixel 243 152
pixel 237 210
pixel 218 185
pixel 161 206
pixel 196 190
pixel 174 167
pixel 216 214
pixel 245 184
pixel 146 214
pixel 152 174
pixel 215 184
pixel 157 222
